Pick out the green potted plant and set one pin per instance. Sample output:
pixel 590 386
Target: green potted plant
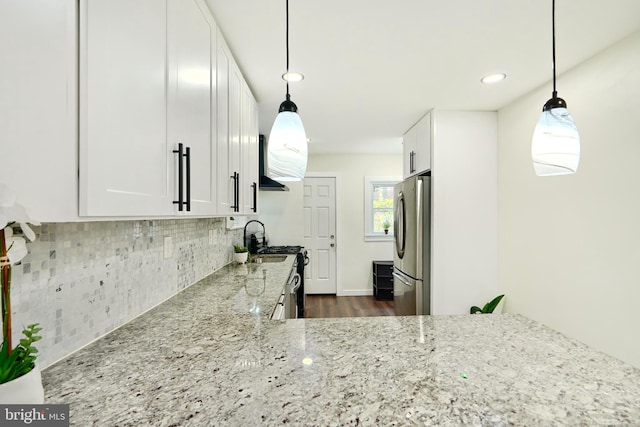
pixel 20 380
pixel 386 226
pixel 240 254
pixel 488 307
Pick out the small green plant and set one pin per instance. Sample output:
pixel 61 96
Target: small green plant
pixel 20 361
pixel 240 249
pixel 488 307
pixel 386 225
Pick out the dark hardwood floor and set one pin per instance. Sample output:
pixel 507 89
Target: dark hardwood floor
pixel 318 306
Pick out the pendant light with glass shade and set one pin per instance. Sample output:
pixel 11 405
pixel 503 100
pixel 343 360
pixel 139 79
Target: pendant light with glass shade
pixel 287 147
pixel 555 148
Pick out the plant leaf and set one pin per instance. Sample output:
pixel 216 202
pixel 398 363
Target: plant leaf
pixel 475 310
pixel 491 305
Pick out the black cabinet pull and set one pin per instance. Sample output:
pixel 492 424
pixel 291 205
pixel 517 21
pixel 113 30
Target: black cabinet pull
pixel 237 192
pixel 411 161
pixel 180 153
pixel 234 206
pixel 255 197
pixel 187 161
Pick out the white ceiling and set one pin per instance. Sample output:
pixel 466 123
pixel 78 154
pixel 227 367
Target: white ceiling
pixel 374 67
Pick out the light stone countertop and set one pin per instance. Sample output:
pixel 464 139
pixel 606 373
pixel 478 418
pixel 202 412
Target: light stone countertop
pixel 210 356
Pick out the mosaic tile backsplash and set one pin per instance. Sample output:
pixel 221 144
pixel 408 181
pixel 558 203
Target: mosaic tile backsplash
pixel 83 280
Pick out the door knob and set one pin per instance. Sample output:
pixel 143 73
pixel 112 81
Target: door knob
pixel 332 236
pixel 333 245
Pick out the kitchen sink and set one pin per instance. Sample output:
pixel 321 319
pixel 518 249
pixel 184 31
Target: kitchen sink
pixel 268 258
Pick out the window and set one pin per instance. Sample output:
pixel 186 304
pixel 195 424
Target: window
pixel 379 199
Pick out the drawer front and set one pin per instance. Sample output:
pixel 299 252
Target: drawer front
pixel 384 282
pixel 383 268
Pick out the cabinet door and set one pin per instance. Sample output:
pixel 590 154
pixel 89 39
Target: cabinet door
pixel 235 114
pixel 224 172
pixel 249 151
pixel 417 148
pixel 124 152
pixel 254 156
pixel 422 158
pixel 189 102
pixel 408 152
pixel 38 106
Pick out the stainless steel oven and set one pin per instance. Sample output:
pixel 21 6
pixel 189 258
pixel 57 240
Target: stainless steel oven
pixel 287 307
pixel 293 287
pixel 299 293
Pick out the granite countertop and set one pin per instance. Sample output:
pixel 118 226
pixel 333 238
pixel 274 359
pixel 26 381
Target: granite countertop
pixel 210 356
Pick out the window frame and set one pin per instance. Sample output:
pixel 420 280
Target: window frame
pixel 370 182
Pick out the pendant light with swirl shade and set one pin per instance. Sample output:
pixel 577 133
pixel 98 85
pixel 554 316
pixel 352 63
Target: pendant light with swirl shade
pixel 555 148
pixel 287 147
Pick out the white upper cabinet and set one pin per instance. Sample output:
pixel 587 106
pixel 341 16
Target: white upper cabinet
pixel 98 96
pixel 237 145
pixel 145 88
pixel 38 106
pixel 189 101
pixel 417 148
pixel 125 157
pixel 235 120
pixel 224 181
pixel 249 147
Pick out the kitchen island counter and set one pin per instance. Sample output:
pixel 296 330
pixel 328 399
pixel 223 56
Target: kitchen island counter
pixel 210 356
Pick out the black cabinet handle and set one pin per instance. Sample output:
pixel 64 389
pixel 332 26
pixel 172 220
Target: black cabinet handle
pixel 255 197
pixel 184 171
pixel 235 177
pixel 187 161
pixel 180 153
pixel 237 192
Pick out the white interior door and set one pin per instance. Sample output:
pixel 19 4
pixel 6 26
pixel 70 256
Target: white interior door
pixel 320 235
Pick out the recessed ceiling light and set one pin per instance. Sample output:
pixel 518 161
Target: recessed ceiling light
pixel 292 76
pixel 493 78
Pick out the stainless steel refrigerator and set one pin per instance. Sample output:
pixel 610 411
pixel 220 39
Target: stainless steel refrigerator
pixel 412 249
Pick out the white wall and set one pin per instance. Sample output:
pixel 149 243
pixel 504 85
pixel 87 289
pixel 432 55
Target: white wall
pixel 569 246
pixel 464 225
pixel 357 255
pixel 281 213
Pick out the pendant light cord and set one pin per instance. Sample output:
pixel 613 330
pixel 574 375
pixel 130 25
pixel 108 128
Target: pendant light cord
pixel 287 40
pixel 553 44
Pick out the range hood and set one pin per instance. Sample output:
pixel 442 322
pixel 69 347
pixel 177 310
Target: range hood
pixel 266 183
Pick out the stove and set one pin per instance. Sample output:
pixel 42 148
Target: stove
pixel 289 250
pixel 302 260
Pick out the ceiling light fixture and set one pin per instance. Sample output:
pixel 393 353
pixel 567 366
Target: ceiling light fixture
pixel 292 76
pixel 555 148
pixel 493 78
pixel 287 146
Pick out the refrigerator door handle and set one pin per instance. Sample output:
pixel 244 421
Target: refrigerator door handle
pixel 398 223
pixel 401 279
